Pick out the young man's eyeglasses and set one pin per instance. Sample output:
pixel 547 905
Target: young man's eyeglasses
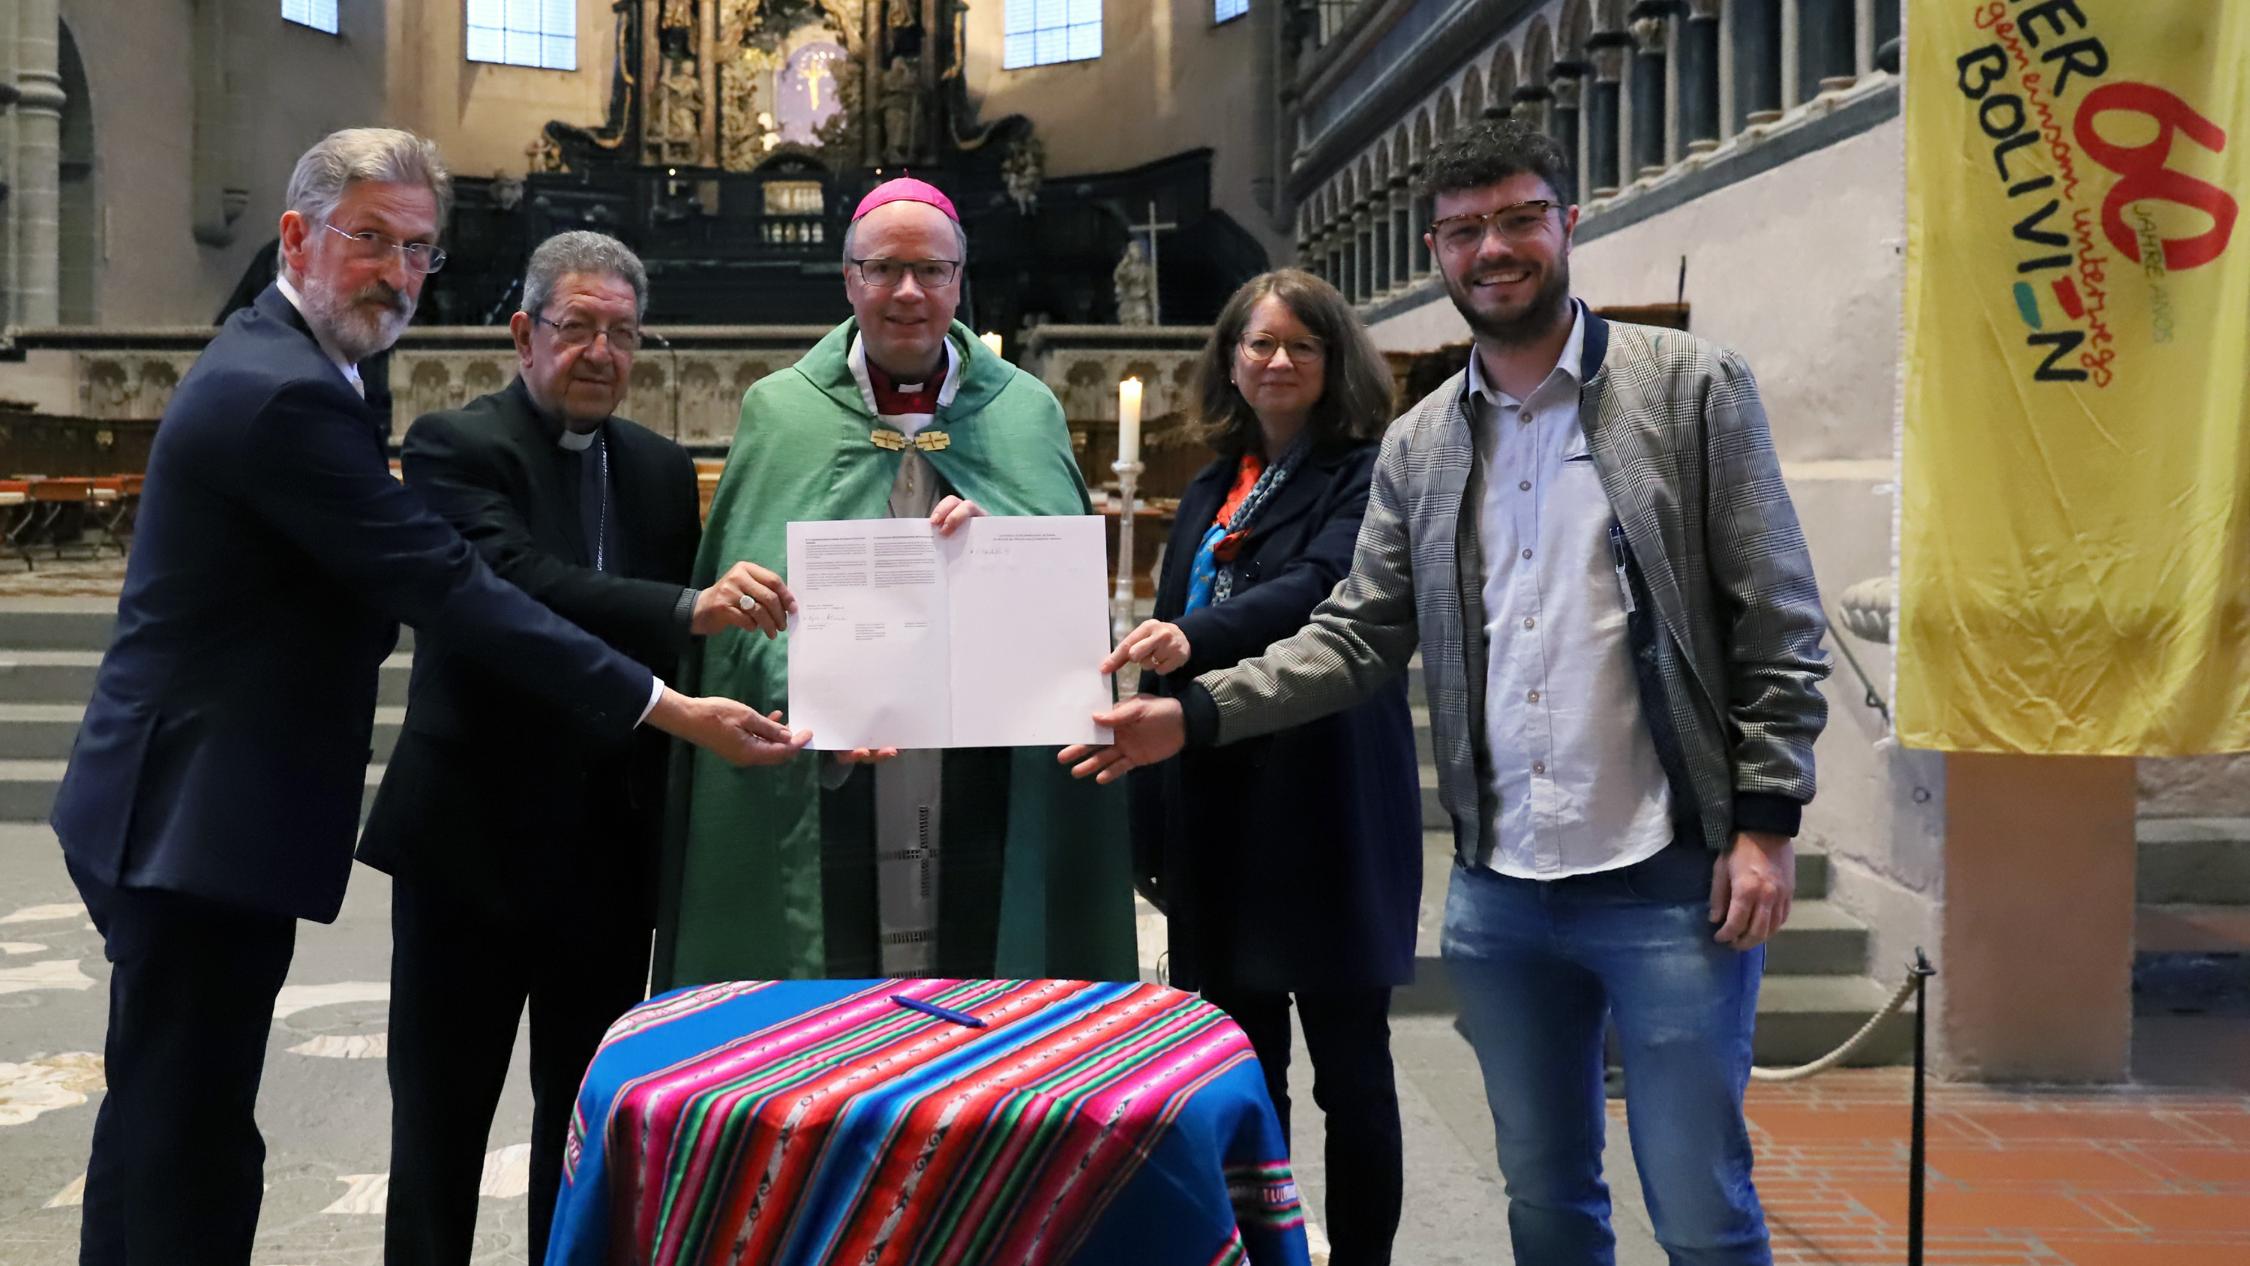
pixel 421 257
pixel 1520 222
pixel 623 339
pixel 929 274
pixel 1261 347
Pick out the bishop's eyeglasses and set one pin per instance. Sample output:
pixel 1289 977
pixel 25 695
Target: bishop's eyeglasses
pixel 929 274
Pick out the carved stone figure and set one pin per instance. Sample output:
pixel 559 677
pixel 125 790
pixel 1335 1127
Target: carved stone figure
pixel 542 154
pixel 902 112
pixel 683 107
pixel 1136 287
pixel 1022 170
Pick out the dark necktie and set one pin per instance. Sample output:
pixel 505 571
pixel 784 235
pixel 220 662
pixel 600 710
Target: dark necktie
pixel 593 500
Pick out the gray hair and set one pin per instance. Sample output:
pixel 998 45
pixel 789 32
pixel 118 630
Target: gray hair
pixel 582 251
pixel 960 240
pixel 381 154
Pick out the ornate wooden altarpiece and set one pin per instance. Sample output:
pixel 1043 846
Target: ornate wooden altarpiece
pixel 739 134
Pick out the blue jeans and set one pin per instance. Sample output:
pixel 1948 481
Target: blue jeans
pixel 1538 967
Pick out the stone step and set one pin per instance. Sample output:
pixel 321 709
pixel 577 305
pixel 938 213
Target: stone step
pixel 2185 928
pixel 2193 861
pixel 74 624
pixel 45 731
pixel 57 624
pixel 27 789
pixel 68 677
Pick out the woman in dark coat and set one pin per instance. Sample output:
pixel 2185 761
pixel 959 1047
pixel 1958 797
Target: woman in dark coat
pixel 1288 866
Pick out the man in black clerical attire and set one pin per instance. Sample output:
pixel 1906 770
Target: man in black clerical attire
pixel 524 852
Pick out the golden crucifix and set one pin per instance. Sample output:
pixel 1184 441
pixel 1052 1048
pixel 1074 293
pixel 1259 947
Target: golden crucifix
pixel 815 70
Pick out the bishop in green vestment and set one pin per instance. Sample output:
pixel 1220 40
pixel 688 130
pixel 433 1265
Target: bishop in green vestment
pixel 966 862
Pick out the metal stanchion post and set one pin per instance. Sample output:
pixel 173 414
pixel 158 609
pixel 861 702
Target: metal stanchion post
pixel 1916 1157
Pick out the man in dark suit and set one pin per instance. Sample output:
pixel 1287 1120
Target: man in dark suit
pixel 215 785
pixel 525 850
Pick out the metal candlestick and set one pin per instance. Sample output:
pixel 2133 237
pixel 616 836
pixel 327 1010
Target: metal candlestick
pixel 1121 599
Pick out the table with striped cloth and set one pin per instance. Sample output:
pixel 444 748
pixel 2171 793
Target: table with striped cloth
pixel 819 1121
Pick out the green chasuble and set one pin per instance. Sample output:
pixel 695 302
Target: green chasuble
pixel 743 895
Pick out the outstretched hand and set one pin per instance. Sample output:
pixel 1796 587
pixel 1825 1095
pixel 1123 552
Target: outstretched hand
pixel 1156 645
pixel 1145 730
pixel 865 755
pixel 731 730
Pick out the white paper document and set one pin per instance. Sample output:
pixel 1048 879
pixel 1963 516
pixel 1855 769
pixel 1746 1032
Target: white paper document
pixel 990 638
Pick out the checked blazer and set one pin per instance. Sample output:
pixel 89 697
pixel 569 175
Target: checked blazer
pixel 1726 639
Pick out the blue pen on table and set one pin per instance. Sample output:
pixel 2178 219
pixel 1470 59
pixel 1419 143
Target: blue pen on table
pixel 942 1013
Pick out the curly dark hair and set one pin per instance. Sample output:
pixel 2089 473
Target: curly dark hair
pixel 1356 397
pixel 1489 152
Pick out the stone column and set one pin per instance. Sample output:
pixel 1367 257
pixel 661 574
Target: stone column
pixel 1308 258
pixel 1562 120
pixel 1886 36
pixel 34 200
pixel 1379 224
pixel 1350 233
pixel 1825 61
pixel 1699 77
pixel 219 191
pixel 1532 107
pixel 1649 40
pixel 1402 232
pixel 1363 227
pixel 1757 61
pixel 7 137
pixel 1425 265
pixel 1603 117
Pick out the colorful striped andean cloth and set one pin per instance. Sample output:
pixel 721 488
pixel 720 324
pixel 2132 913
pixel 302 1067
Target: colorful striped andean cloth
pixel 818 1121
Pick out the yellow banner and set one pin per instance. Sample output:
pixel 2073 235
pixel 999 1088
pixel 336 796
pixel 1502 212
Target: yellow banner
pixel 2074 567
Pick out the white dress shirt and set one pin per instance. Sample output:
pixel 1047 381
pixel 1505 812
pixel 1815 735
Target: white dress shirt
pixel 1578 780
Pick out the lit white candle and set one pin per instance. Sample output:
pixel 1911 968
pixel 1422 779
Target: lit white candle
pixel 991 339
pixel 1129 421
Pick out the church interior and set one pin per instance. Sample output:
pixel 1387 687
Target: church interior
pixel 1120 168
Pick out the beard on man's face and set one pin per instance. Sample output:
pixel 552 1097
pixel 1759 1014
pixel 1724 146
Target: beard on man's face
pixel 360 326
pixel 1535 318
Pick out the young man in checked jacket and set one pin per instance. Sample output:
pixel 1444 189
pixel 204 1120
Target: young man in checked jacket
pixel 1587 537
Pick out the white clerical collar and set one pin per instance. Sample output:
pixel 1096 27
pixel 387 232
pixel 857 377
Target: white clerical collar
pixel 1573 349
pixel 907 423
pixel 578 441
pixel 297 301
